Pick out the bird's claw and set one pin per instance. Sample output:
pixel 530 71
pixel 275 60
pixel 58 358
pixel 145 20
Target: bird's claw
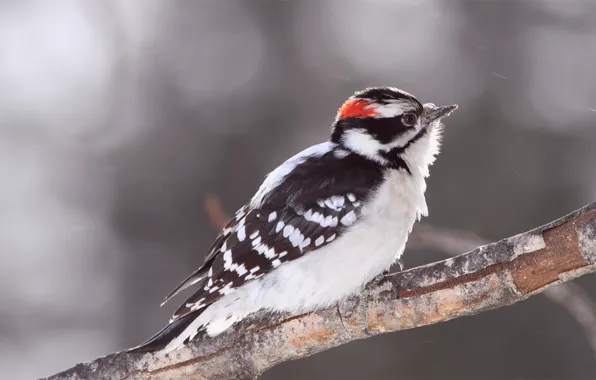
pixel 400 262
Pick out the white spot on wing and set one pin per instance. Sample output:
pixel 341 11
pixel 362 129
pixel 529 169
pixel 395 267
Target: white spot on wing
pixel 261 248
pixel 270 253
pixel 214 289
pixel 330 204
pixel 241 270
pixel 272 216
pixel 338 200
pixel 296 238
pixel 241 233
pixel 227 259
pixel 288 230
pixel 348 219
pixel 305 243
pixel 334 222
pixel 308 215
pixel 320 240
pixel 279 226
pixel 316 217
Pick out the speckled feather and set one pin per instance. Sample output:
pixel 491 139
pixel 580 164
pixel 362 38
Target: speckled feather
pixel 315 205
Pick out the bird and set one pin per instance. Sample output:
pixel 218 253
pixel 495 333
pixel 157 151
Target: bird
pixel 323 224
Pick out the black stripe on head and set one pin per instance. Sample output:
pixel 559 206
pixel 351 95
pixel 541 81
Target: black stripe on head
pixel 384 129
pixel 384 95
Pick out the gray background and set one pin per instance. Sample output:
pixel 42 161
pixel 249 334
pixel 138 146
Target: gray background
pixel 117 118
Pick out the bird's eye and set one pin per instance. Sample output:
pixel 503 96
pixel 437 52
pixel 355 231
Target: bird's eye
pixel 409 119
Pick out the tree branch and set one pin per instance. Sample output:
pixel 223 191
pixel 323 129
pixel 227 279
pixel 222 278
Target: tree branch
pixel 488 277
pixel 569 296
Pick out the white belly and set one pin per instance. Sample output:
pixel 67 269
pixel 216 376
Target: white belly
pixel 341 268
pixel 333 272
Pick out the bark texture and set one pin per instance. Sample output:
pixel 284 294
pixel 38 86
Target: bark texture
pixel 488 277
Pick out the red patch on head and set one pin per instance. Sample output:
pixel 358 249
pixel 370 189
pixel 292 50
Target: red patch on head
pixel 357 108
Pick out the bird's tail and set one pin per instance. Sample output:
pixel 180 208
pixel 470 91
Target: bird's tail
pixel 172 331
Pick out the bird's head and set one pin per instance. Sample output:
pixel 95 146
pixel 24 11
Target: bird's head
pixel 390 127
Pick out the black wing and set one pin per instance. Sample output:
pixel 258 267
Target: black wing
pixel 308 209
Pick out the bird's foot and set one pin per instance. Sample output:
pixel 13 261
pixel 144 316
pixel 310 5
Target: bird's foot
pixel 400 262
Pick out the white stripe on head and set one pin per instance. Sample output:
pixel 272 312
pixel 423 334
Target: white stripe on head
pixel 393 108
pixel 361 142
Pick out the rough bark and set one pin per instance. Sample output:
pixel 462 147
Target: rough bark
pixel 570 296
pixel 488 277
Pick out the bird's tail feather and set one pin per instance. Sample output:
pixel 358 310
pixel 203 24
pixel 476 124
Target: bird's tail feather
pixel 160 340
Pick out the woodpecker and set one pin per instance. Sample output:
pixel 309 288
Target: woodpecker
pixel 323 224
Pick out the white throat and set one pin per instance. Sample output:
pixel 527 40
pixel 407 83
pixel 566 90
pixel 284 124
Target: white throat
pixel 422 154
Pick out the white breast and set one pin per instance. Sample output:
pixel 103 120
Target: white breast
pixel 342 268
pixel 326 276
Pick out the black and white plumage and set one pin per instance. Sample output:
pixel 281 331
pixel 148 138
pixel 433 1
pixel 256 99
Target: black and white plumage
pixel 323 224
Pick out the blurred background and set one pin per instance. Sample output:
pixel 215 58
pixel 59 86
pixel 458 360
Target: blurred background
pixel 118 118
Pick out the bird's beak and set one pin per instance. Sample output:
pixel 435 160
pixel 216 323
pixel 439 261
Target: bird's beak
pixel 432 112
